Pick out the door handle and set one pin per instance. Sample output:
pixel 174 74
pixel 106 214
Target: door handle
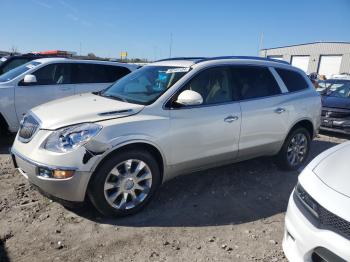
pixel 280 110
pixel 230 119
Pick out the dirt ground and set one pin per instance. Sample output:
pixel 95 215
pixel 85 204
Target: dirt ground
pixel 232 213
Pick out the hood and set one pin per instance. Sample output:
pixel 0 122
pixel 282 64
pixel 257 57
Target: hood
pixel 336 102
pixel 82 108
pixel 334 169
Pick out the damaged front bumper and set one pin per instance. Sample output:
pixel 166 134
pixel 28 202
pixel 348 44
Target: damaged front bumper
pixel 71 189
pixel 36 163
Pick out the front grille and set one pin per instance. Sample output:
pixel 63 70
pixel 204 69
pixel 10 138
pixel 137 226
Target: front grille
pixel 321 217
pixel 332 221
pixel 335 113
pixel 28 128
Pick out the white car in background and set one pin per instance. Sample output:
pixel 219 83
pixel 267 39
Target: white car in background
pixel 317 226
pixel 46 79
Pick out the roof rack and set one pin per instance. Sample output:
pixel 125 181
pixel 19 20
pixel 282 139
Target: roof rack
pixel 197 60
pixel 242 58
pixel 181 58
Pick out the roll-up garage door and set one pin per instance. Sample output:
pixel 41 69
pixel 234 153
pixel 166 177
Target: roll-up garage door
pixel 301 62
pixel 329 65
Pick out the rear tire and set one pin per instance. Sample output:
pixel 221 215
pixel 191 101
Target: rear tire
pixel 125 183
pixel 295 150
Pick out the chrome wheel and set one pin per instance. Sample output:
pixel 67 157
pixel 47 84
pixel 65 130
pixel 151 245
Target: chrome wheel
pixel 128 184
pixel 297 149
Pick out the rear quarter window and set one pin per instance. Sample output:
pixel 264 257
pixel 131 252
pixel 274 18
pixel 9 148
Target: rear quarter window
pixel 293 80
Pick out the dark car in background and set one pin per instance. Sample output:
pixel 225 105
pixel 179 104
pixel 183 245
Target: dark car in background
pixel 335 105
pixel 10 62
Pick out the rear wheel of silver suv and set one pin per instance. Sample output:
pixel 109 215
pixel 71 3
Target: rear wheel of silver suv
pixel 295 149
pixel 125 183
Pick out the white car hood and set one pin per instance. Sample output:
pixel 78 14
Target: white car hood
pixel 82 108
pixel 334 168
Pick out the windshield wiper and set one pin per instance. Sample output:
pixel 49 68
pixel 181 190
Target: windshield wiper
pixel 114 97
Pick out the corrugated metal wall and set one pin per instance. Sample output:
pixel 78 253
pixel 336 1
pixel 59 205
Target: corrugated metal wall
pixel 314 50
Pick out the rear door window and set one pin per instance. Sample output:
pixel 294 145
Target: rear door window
pixel 293 80
pixel 251 82
pixel 95 73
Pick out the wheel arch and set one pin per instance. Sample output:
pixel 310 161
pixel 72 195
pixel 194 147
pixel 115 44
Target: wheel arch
pixel 132 145
pixel 307 124
pixel 3 124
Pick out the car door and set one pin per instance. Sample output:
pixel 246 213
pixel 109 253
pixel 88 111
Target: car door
pixel 95 77
pixel 53 82
pixel 265 119
pixel 209 133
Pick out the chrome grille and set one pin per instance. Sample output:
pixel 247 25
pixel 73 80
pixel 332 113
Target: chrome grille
pixel 334 113
pixel 28 128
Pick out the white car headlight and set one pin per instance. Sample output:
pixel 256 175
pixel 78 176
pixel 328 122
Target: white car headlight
pixel 70 138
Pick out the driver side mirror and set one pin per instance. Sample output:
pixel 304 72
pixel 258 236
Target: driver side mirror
pixel 189 98
pixel 29 79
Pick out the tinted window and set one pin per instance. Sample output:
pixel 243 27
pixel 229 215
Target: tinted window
pixel 254 82
pixel 94 73
pixel 54 74
pixel 213 84
pixel 13 64
pixel 293 80
pixel 115 72
pixel 89 73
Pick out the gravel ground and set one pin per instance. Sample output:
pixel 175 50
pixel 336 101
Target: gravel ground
pixel 231 213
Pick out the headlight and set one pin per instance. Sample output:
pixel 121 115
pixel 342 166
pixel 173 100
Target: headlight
pixel 308 202
pixel 69 138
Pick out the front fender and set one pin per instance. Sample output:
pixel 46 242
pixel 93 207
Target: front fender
pixel 102 150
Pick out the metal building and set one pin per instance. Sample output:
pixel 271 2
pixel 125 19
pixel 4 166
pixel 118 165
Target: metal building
pixel 325 58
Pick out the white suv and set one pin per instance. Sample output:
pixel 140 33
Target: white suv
pixel 168 118
pixel 46 79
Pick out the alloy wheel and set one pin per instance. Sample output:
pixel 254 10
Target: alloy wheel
pixel 297 149
pixel 128 184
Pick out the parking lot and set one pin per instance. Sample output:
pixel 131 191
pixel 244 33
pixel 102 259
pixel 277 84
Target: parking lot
pixel 232 213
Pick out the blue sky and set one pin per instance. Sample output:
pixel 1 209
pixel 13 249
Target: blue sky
pixel 143 27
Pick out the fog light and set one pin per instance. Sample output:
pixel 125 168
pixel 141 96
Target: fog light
pixel 61 174
pixel 44 172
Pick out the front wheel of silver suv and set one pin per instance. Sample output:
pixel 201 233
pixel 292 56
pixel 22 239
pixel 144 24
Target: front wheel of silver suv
pixel 125 183
pixel 295 150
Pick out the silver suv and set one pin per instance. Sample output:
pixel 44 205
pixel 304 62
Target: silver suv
pixel 168 118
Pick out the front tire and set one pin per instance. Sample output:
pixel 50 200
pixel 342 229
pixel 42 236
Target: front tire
pixel 295 150
pixel 125 183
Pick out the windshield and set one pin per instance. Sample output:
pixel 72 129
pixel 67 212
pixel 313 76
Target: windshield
pixel 18 71
pixel 335 88
pixel 145 85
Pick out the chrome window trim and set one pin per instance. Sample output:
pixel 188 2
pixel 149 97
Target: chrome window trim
pixel 279 80
pixel 164 107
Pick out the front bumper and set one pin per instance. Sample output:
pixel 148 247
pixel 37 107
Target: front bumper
pixel 302 239
pixel 335 125
pixel 71 189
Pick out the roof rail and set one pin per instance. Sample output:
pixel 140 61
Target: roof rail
pixel 181 58
pixel 242 57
